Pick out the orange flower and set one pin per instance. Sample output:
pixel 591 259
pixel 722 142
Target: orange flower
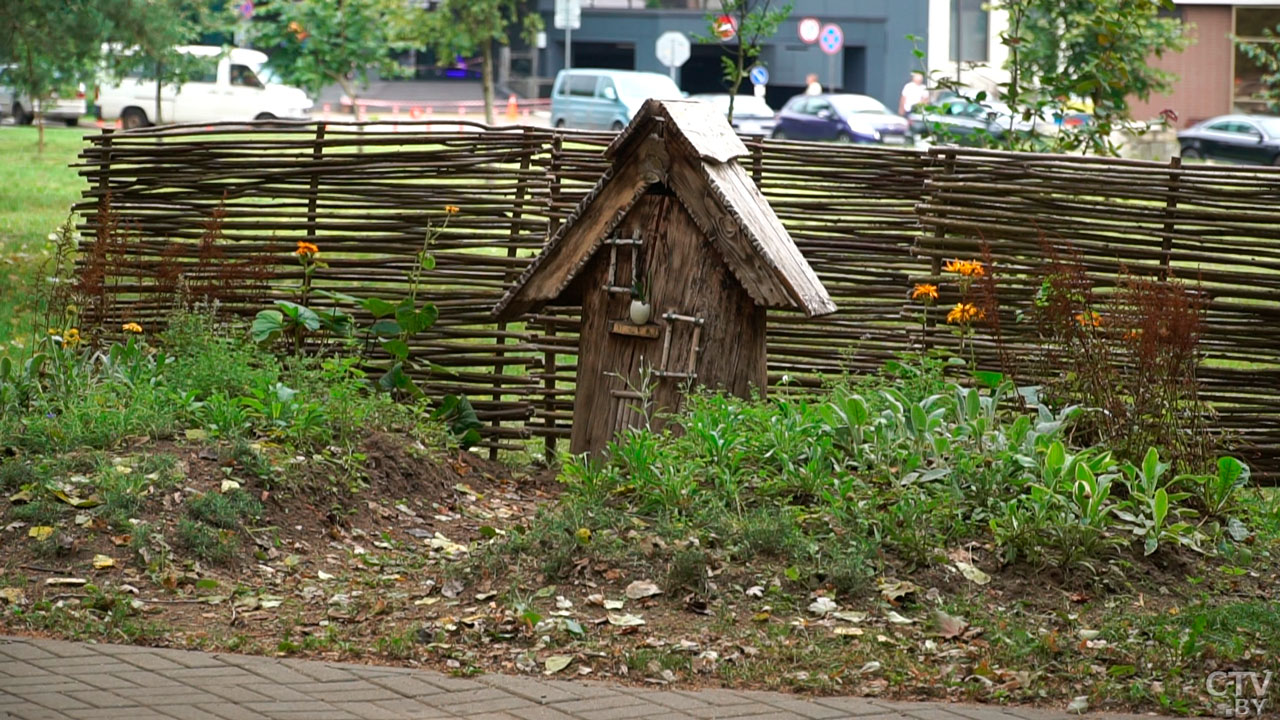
pixel 306 249
pixel 1089 319
pixel 452 209
pixel 964 313
pixel 297 30
pixel 131 327
pixel 925 292
pixel 968 268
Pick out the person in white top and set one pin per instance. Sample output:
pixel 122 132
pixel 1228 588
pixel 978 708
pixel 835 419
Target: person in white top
pixel 812 86
pixel 913 93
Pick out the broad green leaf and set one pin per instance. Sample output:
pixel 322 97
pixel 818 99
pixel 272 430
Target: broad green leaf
pixel 385 328
pixel 397 348
pixel 987 377
pixel 1160 507
pixel 267 326
pixel 301 314
pixel 377 307
pixel 1232 470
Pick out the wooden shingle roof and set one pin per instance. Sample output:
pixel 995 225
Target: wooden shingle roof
pixel 690 147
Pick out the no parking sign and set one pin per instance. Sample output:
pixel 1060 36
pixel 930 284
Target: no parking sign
pixel 831 39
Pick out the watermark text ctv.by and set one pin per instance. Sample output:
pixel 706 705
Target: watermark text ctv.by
pixel 1241 693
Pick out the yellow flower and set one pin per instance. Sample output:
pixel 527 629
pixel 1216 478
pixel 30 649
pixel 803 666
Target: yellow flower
pixel 71 337
pixel 924 291
pixel 452 209
pixel 1089 319
pixel 964 313
pixel 968 268
pixel 131 327
pixel 306 249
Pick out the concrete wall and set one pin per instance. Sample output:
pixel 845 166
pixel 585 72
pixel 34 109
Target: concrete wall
pixel 1203 87
pixel 875 40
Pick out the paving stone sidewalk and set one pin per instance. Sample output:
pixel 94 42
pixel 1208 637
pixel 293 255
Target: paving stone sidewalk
pixel 54 680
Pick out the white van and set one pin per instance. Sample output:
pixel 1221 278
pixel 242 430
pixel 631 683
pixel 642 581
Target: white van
pixel 605 99
pixel 226 89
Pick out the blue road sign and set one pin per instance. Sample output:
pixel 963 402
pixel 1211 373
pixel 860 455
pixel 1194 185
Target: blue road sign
pixel 759 75
pixel 832 39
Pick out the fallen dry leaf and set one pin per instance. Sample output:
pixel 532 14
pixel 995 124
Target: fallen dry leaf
pixel 973 574
pixel 101 562
pixel 40 532
pixel 642 589
pixel 950 626
pixel 556 663
pixel 625 620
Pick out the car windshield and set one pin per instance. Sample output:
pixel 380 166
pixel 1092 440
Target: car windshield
pixel 1270 125
pixel 855 104
pixel 643 87
pixel 744 105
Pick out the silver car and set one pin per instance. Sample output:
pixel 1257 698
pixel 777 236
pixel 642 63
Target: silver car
pixel 66 106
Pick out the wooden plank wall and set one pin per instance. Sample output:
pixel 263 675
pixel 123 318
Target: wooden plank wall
pixel 871 221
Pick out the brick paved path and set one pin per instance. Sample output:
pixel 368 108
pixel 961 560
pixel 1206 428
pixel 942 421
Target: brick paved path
pixel 54 680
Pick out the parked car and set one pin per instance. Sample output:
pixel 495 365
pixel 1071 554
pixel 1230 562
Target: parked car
pixel 1251 139
pixel 605 99
pixel 962 119
pixel 227 88
pixel 842 118
pixel 66 105
pixel 751 114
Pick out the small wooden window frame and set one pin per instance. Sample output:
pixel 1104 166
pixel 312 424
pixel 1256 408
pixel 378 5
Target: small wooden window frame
pixel 689 372
pixel 611 282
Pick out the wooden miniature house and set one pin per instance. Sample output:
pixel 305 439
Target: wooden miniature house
pixel 678 222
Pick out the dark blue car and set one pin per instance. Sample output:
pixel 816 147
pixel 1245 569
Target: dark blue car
pixel 840 118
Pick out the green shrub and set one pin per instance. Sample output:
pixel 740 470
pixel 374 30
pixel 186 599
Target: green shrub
pixel 227 510
pixel 208 543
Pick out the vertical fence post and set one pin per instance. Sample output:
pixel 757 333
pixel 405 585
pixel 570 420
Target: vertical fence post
pixel 1170 210
pixel 757 162
pixel 313 194
pixel 935 261
pixel 548 388
pixel 509 278
pixel 102 214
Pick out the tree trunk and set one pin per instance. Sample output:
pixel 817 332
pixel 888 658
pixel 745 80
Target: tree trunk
pixel 349 90
pixel 159 84
pixel 38 109
pixel 486 75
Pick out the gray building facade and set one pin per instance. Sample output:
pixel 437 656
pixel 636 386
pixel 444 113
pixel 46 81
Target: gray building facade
pixel 877 57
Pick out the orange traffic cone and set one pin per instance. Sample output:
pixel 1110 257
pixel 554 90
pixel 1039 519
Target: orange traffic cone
pixel 513 110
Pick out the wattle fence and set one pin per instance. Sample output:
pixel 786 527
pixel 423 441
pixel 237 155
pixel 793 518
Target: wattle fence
pixel 182 213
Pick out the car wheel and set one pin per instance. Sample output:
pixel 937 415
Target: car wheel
pixel 560 123
pixel 1190 153
pixel 133 118
pixel 20 116
pixel 843 137
pixel 616 126
pixel 72 122
pixel 1276 161
pixel 778 135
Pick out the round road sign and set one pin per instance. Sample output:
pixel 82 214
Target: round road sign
pixel 726 27
pixel 672 48
pixel 831 40
pixel 809 29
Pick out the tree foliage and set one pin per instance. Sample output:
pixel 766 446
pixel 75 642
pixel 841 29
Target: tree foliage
pixel 56 44
pixel 317 42
pixel 463 27
pixel 1080 54
pixel 756 21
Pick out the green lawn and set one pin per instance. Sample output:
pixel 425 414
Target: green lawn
pixel 38 190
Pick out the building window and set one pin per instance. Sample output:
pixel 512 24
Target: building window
pixel 1258 26
pixel 968 31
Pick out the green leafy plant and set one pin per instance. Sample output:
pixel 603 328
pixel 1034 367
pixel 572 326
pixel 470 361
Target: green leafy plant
pixel 755 21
